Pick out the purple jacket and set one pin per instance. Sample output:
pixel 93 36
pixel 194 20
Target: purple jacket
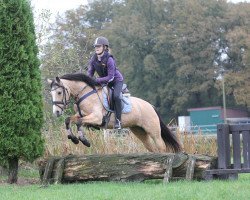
pixel 106 69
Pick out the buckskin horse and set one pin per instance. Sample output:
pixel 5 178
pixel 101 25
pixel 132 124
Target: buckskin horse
pixel 142 120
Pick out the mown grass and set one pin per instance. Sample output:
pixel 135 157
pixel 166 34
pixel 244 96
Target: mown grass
pixel 221 190
pixel 58 144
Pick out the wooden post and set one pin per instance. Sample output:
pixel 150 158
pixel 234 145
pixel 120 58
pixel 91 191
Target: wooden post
pixel 190 168
pixel 223 146
pixel 169 169
pixel 48 172
pixel 246 148
pixel 59 171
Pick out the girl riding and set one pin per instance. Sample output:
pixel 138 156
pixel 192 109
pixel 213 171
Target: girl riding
pixel 104 64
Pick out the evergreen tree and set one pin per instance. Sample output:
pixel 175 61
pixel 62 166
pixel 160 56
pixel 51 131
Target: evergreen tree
pixel 21 115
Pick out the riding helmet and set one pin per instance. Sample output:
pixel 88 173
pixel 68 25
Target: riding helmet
pixel 101 41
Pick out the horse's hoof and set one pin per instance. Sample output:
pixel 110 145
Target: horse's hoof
pixel 84 141
pixel 73 138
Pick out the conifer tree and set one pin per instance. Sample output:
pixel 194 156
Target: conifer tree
pixel 21 115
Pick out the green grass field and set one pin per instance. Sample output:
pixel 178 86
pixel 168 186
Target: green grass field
pixel 28 187
pixel 154 190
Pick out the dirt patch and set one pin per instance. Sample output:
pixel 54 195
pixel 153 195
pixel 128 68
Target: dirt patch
pixel 22 181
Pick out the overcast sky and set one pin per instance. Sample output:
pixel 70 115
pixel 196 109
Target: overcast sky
pixel 56 6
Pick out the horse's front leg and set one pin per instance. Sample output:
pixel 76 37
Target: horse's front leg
pixel 68 122
pixel 92 119
pixel 82 138
pixel 76 120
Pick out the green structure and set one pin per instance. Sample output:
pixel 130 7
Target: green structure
pixel 207 118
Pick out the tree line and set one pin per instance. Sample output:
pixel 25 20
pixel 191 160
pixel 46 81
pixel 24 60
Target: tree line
pixel 171 52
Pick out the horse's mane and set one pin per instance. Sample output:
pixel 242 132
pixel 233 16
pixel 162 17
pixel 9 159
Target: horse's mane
pixel 80 77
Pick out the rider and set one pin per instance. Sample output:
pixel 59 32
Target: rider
pixel 104 64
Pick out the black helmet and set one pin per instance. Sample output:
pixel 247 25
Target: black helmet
pixel 101 41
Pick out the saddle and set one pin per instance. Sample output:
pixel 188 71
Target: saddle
pixel 108 102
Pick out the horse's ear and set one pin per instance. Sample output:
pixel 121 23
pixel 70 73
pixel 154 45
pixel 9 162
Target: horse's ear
pixel 49 81
pixel 58 79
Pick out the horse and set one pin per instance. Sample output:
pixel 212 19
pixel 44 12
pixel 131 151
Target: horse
pixel 143 120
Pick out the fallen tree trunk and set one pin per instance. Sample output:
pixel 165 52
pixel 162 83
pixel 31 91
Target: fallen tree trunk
pixel 125 167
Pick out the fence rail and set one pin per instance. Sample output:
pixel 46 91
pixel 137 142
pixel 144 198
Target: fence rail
pixel 233 151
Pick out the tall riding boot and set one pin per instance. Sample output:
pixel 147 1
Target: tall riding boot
pixel 118 104
pixel 118 124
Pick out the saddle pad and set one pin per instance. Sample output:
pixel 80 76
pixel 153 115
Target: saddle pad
pixel 126 102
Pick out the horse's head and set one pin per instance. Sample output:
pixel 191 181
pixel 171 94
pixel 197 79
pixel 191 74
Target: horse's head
pixel 60 96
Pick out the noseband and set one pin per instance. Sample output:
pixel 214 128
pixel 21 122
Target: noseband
pixel 64 101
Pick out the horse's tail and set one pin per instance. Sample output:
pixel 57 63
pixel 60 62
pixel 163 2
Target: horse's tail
pixel 168 137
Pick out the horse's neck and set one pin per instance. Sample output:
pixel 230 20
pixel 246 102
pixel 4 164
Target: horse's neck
pixel 78 89
pixel 74 87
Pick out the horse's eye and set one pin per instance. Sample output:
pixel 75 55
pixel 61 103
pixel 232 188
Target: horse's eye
pixel 59 93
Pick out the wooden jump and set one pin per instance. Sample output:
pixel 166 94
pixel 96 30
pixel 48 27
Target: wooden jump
pixel 233 151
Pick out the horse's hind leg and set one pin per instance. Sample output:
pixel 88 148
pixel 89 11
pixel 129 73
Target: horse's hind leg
pixel 144 137
pixel 159 143
pixel 154 132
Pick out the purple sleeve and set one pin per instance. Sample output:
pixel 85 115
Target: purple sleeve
pixel 91 69
pixel 111 72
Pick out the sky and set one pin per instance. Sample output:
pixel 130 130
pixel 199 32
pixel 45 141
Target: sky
pixel 60 6
pixel 56 6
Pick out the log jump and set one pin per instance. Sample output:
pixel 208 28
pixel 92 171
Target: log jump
pixel 125 167
pixel 139 167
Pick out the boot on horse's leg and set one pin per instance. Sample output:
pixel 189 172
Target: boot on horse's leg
pixel 82 138
pixel 71 136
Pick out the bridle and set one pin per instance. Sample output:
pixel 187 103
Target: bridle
pixel 64 100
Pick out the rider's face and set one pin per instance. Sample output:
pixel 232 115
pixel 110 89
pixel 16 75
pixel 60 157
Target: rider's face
pixel 99 49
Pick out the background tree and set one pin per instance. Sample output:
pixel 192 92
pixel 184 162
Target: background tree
pixel 192 32
pixel 21 115
pixel 238 37
pixel 168 51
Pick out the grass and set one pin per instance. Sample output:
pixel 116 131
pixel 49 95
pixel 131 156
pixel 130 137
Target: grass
pixel 133 191
pixel 58 144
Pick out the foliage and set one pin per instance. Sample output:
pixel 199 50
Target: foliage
pixel 170 52
pixel 239 42
pixel 21 115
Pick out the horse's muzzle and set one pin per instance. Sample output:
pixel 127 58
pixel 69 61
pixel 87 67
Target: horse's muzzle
pixel 58 113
